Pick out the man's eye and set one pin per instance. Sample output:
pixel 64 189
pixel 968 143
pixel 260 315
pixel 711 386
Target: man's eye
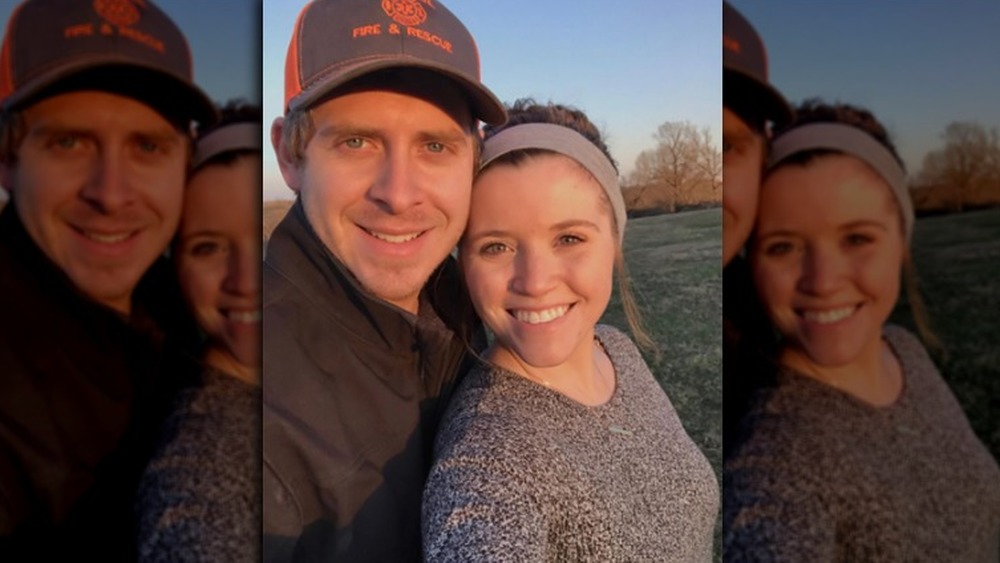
pixel 435 146
pixel 65 142
pixel 149 146
pixel 354 143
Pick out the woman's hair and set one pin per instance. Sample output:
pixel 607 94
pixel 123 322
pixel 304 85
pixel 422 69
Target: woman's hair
pixel 814 110
pixel 527 110
pixel 234 111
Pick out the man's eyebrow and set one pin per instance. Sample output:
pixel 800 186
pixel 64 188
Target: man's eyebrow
pixel 451 135
pixel 738 134
pixel 342 129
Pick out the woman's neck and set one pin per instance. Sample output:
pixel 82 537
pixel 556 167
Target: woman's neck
pixel 222 360
pixel 875 377
pixel 586 377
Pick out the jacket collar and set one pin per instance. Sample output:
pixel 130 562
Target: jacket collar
pixel 296 254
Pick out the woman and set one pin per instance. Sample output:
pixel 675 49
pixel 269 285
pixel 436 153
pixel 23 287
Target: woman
pixel 198 500
pixel 560 445
pixel 858 451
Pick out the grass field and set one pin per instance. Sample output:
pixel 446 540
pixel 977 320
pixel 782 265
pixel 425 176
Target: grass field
pixel 675 264
pixel 957 258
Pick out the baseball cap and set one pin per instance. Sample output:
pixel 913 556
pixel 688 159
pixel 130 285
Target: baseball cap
pixel 128 44
pixel 744 60
pixel 336 41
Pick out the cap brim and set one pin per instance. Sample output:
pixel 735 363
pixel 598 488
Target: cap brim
pixel 152 85
pixel 773 106
pixel 485 105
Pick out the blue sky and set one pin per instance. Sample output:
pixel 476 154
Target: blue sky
pixel 917 65
pixel 631 65
pixel 224 36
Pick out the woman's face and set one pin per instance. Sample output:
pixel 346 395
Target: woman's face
pixel 826 257
pixel 538 257
pixel 218 257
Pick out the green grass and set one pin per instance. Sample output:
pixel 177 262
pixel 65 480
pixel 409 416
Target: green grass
pixel 675 266
pixel 957 258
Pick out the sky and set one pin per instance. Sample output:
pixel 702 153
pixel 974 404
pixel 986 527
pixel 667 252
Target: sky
pixel 629 64
pixel 224 37
pixel 916 65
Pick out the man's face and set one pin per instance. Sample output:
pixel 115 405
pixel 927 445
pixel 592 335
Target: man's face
pixel 742 161
pixel 98 183
pixel 385 183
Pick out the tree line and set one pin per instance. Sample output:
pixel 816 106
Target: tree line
pixel 964 173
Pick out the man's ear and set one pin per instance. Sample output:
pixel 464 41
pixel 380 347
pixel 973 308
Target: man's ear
pixel 7 177
pixel 290 169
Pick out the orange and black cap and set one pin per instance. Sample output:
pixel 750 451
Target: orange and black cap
pixel 127 46
pixel 337 41
pixel 745 71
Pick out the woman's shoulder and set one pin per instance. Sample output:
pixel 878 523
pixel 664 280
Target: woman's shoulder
pixel 612 337
pixel 492 409
pixel 903 341
pixel 919 369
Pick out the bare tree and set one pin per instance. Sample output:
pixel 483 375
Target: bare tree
pixel 967 165
pixel 682 167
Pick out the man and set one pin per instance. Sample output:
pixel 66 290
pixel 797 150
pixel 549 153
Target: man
pixel 96 106
pixel 751 105
pixel 366 325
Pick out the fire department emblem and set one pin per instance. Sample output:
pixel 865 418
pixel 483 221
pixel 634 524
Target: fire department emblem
pixel 405 12
pixel 121 13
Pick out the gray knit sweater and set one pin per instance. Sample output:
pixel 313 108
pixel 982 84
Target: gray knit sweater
pixel 199 499
pixel 823 476
pixel 523 473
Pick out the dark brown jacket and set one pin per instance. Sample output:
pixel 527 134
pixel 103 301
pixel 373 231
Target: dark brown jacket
pixel 353 392
pixel 82 388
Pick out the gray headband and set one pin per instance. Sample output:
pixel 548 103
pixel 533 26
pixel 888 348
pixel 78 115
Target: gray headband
pixel 855 142
pixel 233 137
pixel 564 141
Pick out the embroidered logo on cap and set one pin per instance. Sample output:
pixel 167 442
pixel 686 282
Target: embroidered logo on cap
pixel 405 12
pixel 122 13
pixel 119 16
pixel 408 14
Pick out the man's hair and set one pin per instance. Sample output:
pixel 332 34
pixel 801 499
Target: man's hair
pixel 105 79
pixel 741 96
pixel 298 128
pixel 12 132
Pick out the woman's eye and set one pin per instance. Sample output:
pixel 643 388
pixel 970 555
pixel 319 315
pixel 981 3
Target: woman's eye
pixel 779 248
pixel 205 248
pixel 857 239
pixel 493 249
pixel 568 240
